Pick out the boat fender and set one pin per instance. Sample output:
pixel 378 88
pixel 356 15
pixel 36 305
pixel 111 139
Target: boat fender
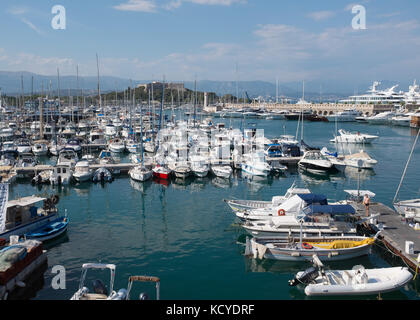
pixel 282 212
pixel 308 276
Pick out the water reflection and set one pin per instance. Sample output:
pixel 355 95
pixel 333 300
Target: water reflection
pixel 355 174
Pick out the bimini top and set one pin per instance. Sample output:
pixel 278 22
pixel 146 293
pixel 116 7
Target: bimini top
pixel 310 198
pixel 331 209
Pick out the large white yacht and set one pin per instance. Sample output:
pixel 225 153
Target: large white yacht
pixel 376 96
pixel 344 116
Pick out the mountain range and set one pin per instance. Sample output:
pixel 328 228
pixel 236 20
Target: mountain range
pixel 10 84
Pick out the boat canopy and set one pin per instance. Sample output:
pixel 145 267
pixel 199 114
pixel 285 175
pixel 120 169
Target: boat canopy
pixel 23 202
pixel 311 198
pixel 331 209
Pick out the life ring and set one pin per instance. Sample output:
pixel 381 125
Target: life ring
pixel 306 245
pixel 282 212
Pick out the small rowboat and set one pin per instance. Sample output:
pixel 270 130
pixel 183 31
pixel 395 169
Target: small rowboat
pixel 295 249
pixel 50 230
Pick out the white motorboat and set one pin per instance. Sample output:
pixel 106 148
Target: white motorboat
pixel 9 146
pixel 110 130
pixel 180 169
pixel 67 157
pixel 40 149
pixel 117 145
pixel 241 205
pixel 74 144
pixel 100 291
pixel 102 175
pixel 221 171
pixel 140 173
pixel 381 118
pixel 403 120
pixel 132 146
pixel 344 116
pixel 23 146
pixel 82 171
pixel 358 281
pixel 61 174
pixel 255 164
pixel 360 160
pixel 353 137
pixel 199 166
pixel 315 161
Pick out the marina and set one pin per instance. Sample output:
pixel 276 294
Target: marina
pixel 212 158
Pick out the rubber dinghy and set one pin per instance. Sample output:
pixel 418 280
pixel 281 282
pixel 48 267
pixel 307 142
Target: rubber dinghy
pixel 358 281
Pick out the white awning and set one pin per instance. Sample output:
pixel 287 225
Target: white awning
pixel 24 201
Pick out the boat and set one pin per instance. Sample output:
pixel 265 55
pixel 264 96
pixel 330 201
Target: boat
pixel 82 171
pixel 67 157
pixel 314 161
pixel 40 149
pixel 143 296
pixel 99 291
pixel 221 171
pixel 347 115
pixel 50 230
pixel 180 169
pixel 381 118
pixel 241 205
pixel 61 174
pixel 23 146
pixel 360 160
pixel 131 146
pixel 255 164
pixel 117 145
pixel 274 150
pixel 161 172
pixel 19 260
pixel 353 137
pixel 375 96
pixel 140 173
pixel 42 177
pixel 199 166
pixel 102 175
pixel 74 144
pixel 357 281
pixel 21 216
pixel 327 248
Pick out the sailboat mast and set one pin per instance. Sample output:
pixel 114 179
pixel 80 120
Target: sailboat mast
pixel 99 90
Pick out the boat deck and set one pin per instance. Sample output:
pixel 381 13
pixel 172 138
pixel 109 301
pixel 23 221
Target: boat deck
pixel 396 231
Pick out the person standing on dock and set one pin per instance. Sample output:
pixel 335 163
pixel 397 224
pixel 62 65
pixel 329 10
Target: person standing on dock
pixel 366 202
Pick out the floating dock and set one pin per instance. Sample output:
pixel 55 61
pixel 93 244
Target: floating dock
pixel 122 167
pixel 395 233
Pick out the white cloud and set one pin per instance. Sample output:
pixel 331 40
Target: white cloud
pixel 137 5
pixel 321 15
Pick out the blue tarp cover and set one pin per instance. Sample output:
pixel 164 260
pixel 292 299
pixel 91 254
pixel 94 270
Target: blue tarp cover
pixel 310 198
pixel 332 209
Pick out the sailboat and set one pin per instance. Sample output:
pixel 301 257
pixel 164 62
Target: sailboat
pixel 141 173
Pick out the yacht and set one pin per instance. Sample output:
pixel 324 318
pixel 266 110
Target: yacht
pixel 375 96
pixel 353 137
pixel 117 146
pixel 67 157
pixel 315 161
pixel 23 146
pixel 344 116
pixel 255 164
pixel 381 118
pixel 74 144
pixel 82 171
pixel 360 160
pixel 199 166
pixel 221 170
pixel 140 173
pixel 40 148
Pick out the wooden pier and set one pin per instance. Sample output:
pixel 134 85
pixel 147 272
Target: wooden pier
pixel 395 233
pixel 122 167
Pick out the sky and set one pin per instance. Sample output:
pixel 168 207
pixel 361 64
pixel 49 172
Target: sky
pixel 243 40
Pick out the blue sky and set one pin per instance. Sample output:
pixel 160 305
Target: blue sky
pixel 184 39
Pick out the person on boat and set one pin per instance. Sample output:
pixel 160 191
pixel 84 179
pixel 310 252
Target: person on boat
pixel 366 202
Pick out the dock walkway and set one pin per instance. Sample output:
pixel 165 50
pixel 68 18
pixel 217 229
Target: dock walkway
pixel 395 233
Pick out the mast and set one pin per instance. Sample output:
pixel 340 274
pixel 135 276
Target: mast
pixel 41 116
pixel 59 99
pixel 99 90
pixel 406 166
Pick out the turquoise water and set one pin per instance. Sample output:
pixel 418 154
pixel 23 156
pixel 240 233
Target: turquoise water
pixel 186 235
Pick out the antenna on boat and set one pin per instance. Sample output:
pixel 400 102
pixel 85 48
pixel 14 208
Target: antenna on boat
pixel 406 166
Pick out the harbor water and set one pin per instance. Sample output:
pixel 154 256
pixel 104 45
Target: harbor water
pixel 184 233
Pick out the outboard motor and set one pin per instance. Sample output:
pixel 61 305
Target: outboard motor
pixel 306 277
pixel 99 287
